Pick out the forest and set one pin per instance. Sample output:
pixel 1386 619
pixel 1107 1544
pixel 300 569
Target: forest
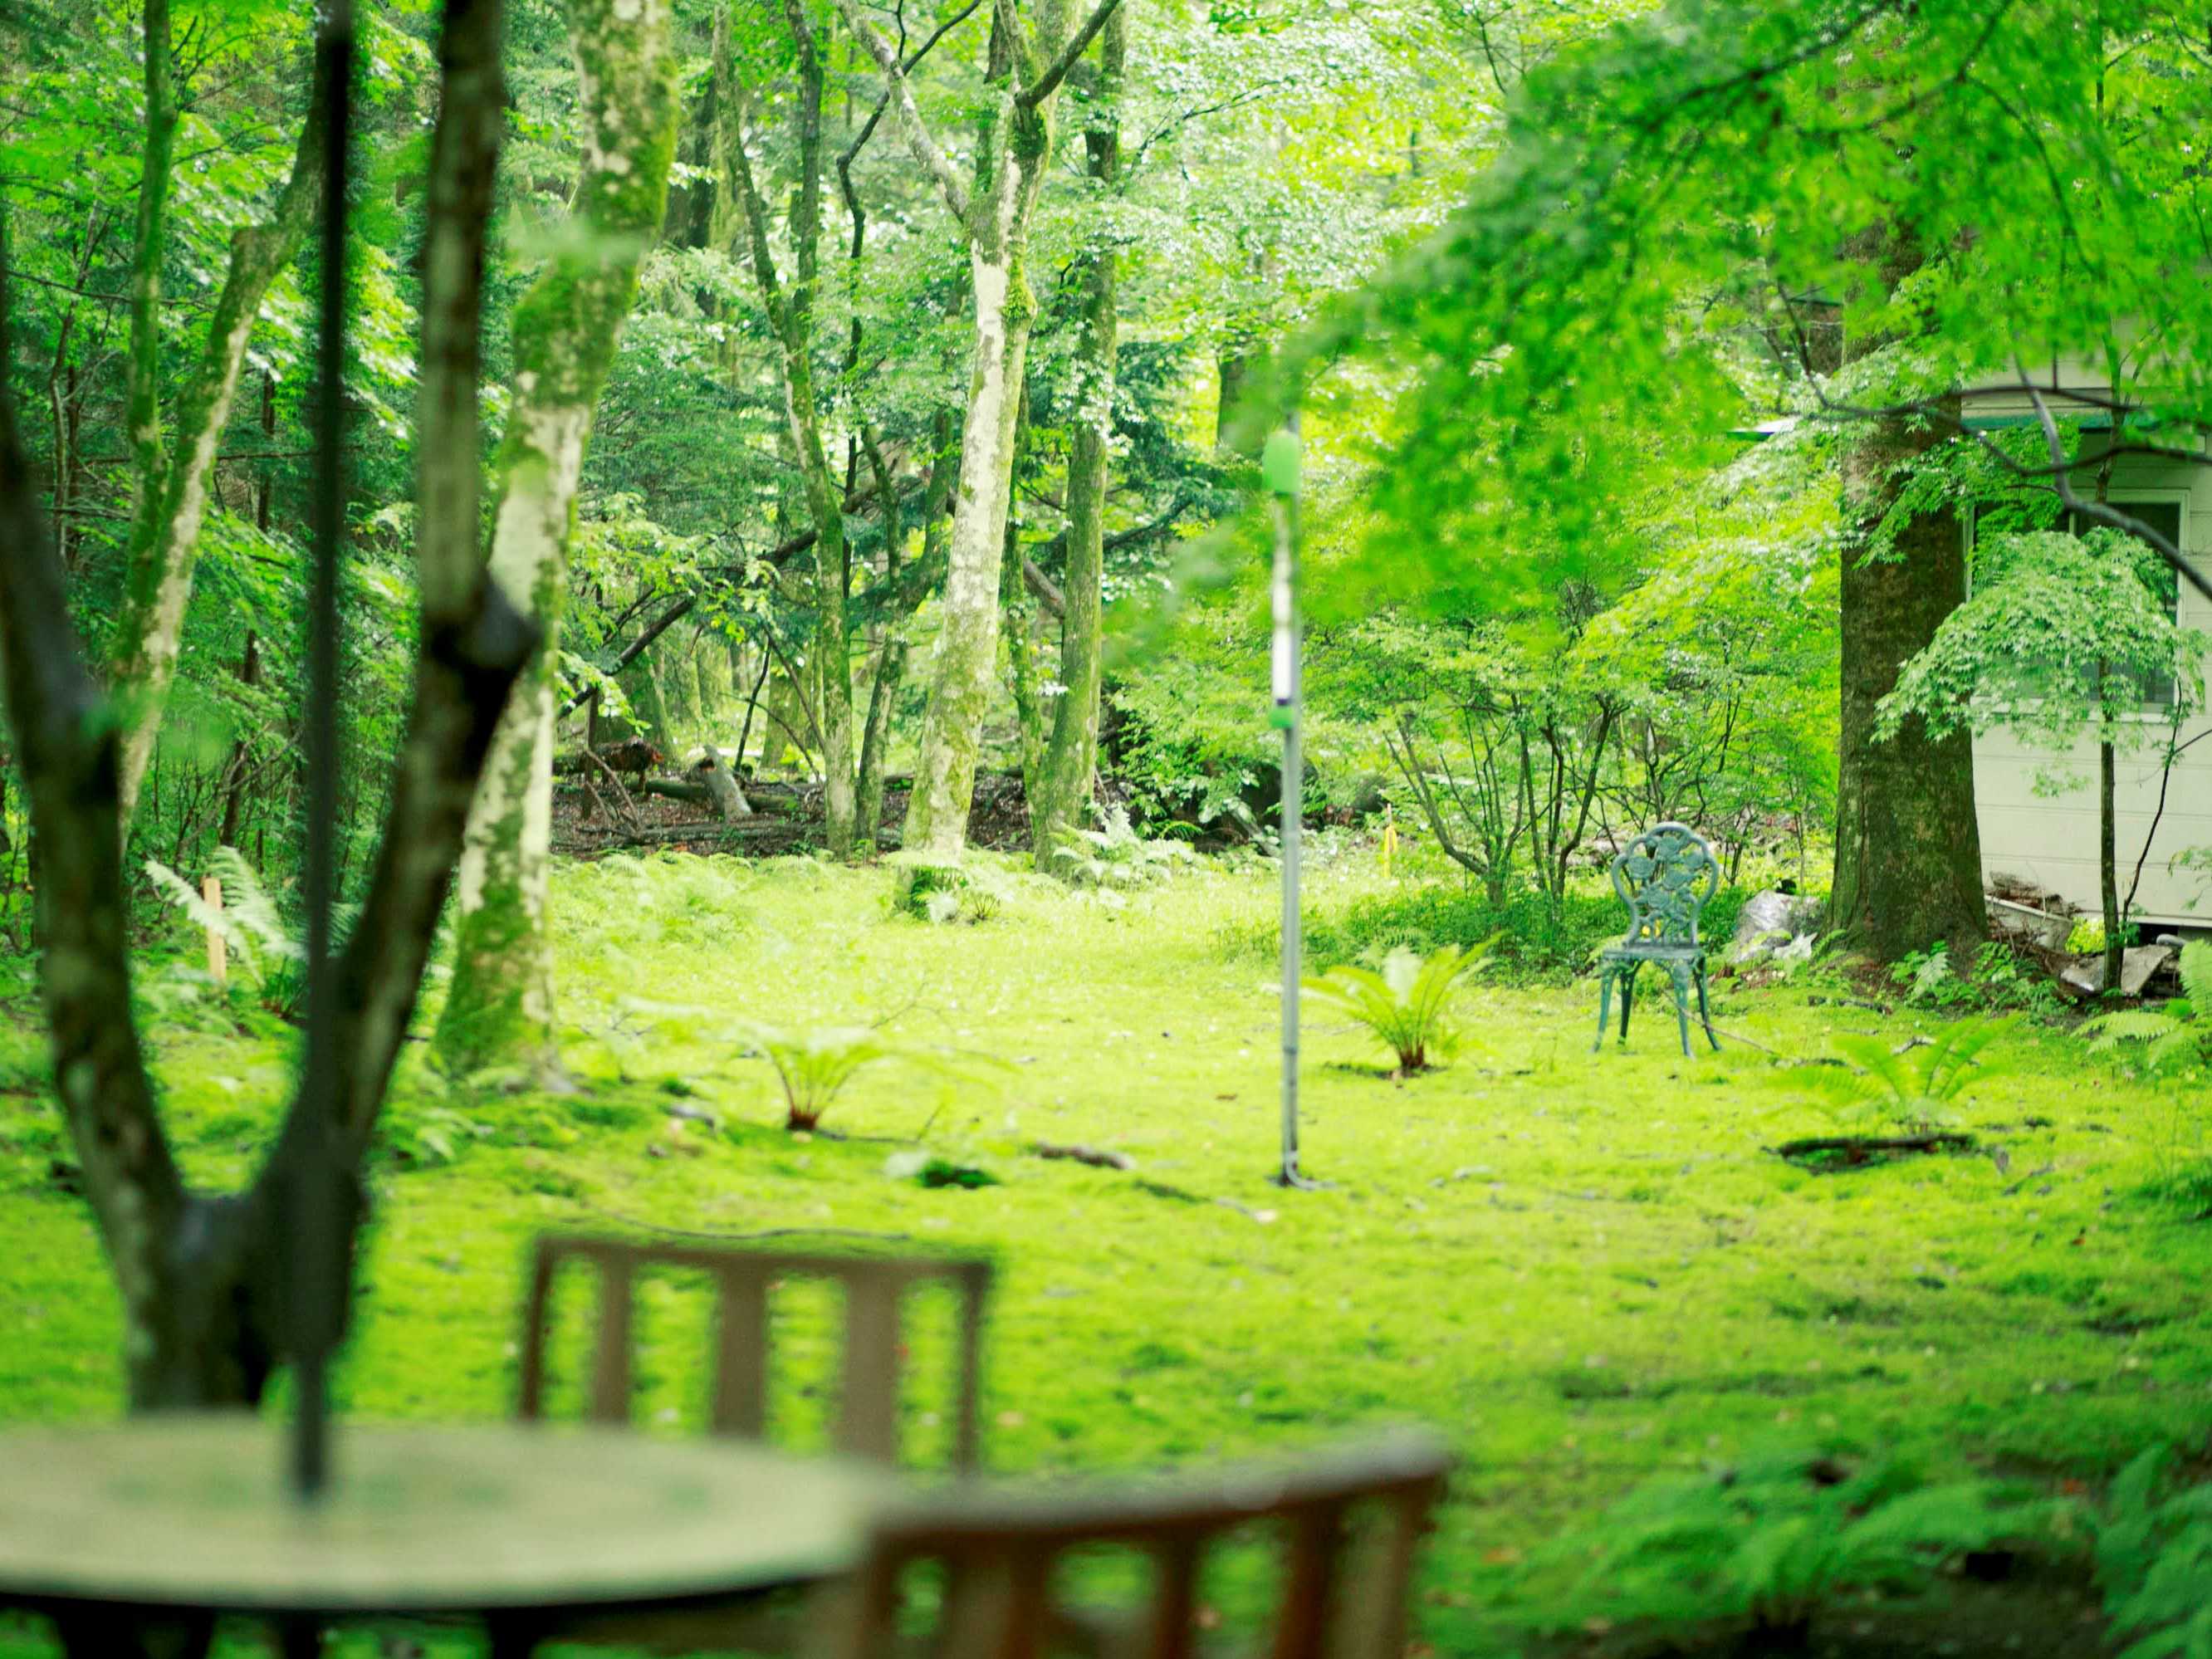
pixel 844 638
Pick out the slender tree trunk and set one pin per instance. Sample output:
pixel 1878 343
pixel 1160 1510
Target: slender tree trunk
pixel 791 310
pixel 1070 761
pixel 171 491
pixel 2108 865
pixel 500 1011
pixel 1908 870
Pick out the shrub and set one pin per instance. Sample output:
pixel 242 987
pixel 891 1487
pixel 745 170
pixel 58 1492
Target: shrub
pixel 1406 1006
pixel 1773 1539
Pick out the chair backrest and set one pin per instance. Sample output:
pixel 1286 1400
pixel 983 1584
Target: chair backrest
pixel 999 1552
pixel 1664 877
pixel 868 1395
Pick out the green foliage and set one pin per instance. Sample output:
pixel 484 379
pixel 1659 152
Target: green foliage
pixel 1912 1091
pixel 2154 1545
pixel 814 1064
pixel 2061 632
pixel 1537 941
pixel 1114 858
pixel 2002 978
pixel 1406 1006
pixel 942 893
pixel 263 951
pixel 1775 1538
pixel 2176 1036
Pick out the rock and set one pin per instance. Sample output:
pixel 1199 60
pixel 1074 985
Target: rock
pixel 2137 964
pixel 2024 922
pixel 1771 920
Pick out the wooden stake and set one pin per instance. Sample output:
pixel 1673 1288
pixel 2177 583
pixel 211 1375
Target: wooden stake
pixel 218 952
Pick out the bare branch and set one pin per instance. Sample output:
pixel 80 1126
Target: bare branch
pixel 933 160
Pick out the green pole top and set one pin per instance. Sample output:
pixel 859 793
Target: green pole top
pixel 1278 464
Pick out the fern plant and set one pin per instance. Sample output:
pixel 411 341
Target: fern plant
pixel 814 1064
pixel 1773 1539
pixel 263 951
pixel 1406 1006
pixel 2154 1561
pixel 1114 856
pixel 2175 1035
pixel 1914 1090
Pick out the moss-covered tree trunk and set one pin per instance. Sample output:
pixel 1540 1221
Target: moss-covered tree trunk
pixel 500 1011
pixel 1908 870
pixel 169 490
pixel 1064 789
pixel 1014 148
pixel 791 313
pixel 890 677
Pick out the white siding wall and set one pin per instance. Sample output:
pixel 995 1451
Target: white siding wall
pixel 2052 839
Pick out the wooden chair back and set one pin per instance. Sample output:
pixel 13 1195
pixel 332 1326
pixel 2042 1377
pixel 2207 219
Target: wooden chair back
pixel 867 1424
pixel 999 1553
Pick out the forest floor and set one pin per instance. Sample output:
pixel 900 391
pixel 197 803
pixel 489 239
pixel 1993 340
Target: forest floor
pixel 1586 1269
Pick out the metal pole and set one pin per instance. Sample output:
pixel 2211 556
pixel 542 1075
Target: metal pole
pixel 321 1239
pixel 1279 471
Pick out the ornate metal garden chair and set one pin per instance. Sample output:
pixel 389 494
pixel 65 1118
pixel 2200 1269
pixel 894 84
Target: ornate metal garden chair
pixel 1664 877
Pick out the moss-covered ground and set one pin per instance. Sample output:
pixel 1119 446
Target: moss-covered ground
pixel 1584 1268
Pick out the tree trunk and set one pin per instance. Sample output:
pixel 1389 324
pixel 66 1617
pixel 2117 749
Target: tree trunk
pixel 500 1010
pixel 1908 870
pixel 1070 761
pixel 791 311
pixel 1013 149
pixel 891 656
pixel 172 493
pixel 2108 865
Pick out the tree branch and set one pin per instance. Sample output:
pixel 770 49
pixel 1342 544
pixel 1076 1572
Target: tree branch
pixel 2099 511
pixel 925 150
pixel 1048 84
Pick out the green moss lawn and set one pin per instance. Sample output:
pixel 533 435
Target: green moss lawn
pixel 1583 1268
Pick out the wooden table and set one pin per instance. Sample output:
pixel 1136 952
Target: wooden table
pixel 524 1527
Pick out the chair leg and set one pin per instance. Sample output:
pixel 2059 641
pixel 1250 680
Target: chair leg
pixel 1704 1013
pixel 1604 1006
pixel 1627 998
pixel 1681 979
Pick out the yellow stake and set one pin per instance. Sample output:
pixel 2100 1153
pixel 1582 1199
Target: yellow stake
pixel 1389 835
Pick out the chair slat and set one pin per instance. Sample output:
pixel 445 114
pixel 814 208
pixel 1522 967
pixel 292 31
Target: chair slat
pixel 530 1403
pixel 741 1355
pixel 610 1357
pixel 1302 1627
pixel 1174 1598
pixel 868 1398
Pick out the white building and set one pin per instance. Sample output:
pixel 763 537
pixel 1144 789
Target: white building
pixel 2049 836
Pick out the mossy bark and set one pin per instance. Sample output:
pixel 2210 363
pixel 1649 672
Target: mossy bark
pixel 1063 792
pixel 499 1011
pixel 1908 870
